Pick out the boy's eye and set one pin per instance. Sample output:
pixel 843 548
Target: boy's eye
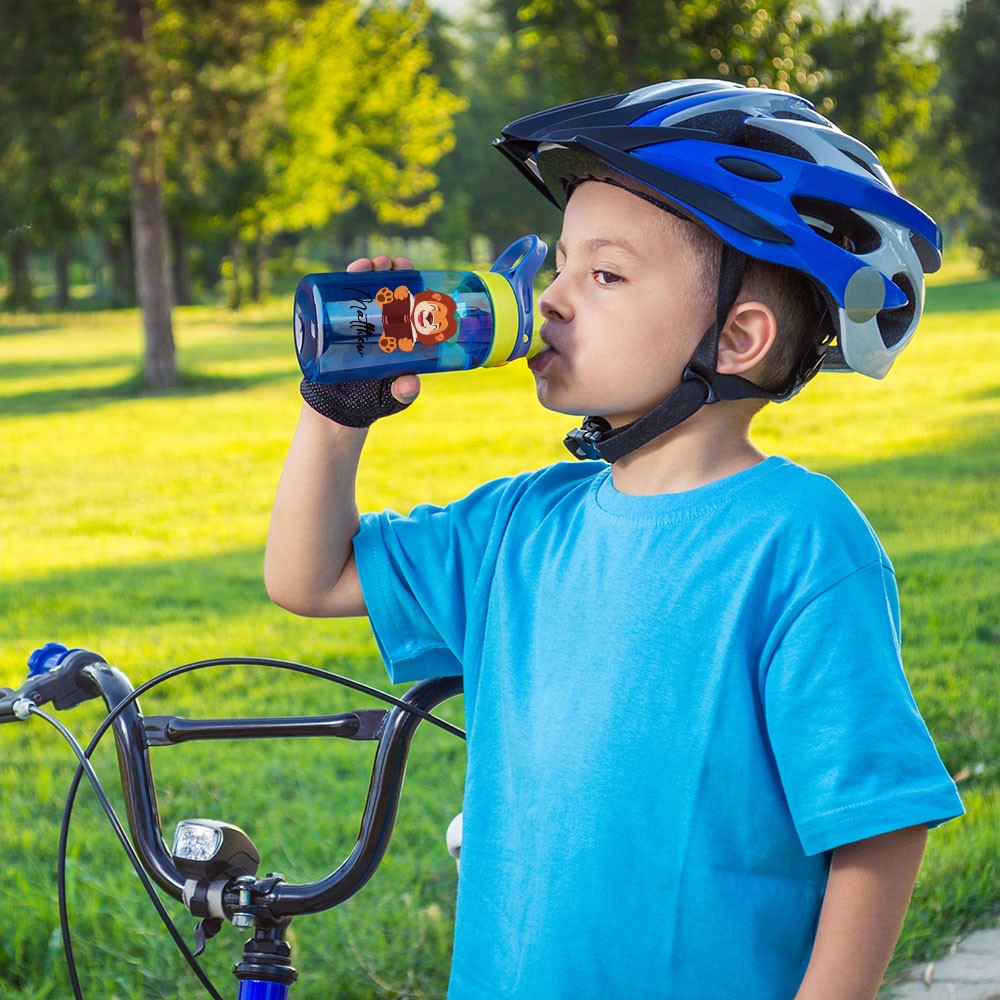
pixel 607 277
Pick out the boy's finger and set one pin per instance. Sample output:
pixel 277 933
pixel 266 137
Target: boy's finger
pixel 406 388
pixel 380 263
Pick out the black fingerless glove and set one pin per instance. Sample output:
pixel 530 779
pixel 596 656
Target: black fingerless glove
pixel 353 404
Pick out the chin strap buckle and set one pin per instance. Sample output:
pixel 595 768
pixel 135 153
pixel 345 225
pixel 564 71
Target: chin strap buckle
pixel 692 374
pixel 584 442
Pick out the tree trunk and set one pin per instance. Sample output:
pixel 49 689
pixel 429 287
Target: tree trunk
pixel 120 263
pixel 232 274
pixel 21 293
pixel 149 220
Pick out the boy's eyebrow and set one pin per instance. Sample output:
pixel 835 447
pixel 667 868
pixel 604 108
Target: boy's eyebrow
pixel 600 243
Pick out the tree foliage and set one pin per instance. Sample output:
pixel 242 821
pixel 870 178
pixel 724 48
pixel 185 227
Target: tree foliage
pixel 366 118
pixel 278 117
pixel 876 85
pixel 971 52
pixel 590 46
pixel 58 155
pixel 484 195
pixel 518 57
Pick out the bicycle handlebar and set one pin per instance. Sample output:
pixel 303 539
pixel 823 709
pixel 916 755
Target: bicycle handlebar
pixel 84 675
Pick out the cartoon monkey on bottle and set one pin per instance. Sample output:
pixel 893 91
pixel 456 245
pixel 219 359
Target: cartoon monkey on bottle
pixel 425 317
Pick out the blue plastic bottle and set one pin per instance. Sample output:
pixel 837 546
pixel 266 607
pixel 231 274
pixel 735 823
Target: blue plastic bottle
pixel 369 324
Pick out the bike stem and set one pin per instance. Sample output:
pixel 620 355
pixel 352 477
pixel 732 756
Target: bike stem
pixel 266 972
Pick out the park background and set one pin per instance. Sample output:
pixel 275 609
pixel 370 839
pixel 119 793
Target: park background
pixel 169 171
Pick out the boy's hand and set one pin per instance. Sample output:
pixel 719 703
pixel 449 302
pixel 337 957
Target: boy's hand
pixel 360 404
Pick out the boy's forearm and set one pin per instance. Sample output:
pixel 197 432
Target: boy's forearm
pixel 866 898
pixel 309 561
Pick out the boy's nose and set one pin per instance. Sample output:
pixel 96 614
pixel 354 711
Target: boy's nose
pixel 552 302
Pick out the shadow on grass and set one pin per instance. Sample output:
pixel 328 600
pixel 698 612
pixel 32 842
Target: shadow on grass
pixel 47 367
pixel 39 325
pixel 189 384
pixel 934 510
pixel 139 594
pixel 964 296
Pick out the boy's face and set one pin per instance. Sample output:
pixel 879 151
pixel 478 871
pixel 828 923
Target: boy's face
pixel 626 308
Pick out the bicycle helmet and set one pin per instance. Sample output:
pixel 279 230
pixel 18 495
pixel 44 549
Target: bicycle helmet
pixel 774 180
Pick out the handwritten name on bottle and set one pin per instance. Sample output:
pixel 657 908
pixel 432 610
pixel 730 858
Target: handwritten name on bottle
pixel 363 328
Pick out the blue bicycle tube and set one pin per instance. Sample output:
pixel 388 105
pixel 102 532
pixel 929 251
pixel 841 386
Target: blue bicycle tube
pixel 258 989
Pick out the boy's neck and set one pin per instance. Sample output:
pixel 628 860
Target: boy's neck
pixel 709 446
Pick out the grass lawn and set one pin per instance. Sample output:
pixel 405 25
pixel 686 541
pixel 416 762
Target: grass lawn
pixel 134 525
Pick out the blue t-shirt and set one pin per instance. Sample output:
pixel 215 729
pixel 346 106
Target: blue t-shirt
pixel 676 706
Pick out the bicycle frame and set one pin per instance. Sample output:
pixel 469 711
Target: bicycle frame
pixel 267 905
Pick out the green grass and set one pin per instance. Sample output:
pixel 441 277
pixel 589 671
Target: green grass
pixel 134 524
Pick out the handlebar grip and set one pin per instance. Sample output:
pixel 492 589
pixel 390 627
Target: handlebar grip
pixel 56 676
pixel 7 698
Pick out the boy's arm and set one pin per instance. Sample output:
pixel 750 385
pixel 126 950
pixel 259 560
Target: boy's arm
pixel 866 898
pixel 309 561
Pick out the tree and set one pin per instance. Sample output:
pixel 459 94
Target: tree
pixel 366 119
pixel 485 196
pixel 971 53
pixel 222 118
pixel 591 46
pixel 54 147
pixel 876 85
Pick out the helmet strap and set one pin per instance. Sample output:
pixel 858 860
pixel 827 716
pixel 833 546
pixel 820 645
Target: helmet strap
pixel 700 384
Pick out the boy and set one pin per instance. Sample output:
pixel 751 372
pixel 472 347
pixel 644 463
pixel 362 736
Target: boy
pixel 694 765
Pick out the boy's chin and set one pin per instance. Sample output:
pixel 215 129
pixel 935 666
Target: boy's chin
pixel 576 409
pixel 558 407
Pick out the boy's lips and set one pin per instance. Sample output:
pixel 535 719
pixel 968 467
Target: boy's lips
pixel 541 360
pixel 548 352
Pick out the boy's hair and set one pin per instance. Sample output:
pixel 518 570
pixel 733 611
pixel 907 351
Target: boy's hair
pixel 794 303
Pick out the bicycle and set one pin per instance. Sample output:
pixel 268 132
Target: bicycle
pixel 212 866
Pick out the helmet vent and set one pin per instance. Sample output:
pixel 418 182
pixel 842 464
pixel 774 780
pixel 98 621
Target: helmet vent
pixel 751 169
pixel 895 324
pixel 726 126
pixel 797 116
pixel 861 163
pixel 839 225
pixel 773 142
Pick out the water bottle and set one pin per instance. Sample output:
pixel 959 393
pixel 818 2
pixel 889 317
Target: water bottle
pixel 369 324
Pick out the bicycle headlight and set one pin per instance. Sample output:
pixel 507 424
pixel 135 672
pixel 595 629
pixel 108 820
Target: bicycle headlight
pixel 207 849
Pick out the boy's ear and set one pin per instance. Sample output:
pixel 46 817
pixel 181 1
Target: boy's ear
pixel 746 338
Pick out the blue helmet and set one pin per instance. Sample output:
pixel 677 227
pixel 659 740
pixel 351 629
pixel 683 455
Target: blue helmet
pixel 774 180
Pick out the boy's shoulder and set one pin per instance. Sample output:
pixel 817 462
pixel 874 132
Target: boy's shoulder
pixel 554 480
pixel 811 495
pixel 824 532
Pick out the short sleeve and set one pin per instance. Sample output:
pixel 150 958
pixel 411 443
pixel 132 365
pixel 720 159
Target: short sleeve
pixel 420 575
pixel 854 756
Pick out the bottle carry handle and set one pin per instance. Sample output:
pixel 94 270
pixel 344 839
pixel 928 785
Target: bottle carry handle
pixel 519 264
